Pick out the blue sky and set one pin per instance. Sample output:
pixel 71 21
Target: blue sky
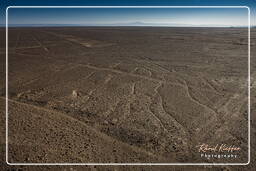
pixel 129 16
pixel 114 16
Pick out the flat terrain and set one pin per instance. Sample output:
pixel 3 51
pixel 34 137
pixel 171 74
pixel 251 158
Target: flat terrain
pixel 127 94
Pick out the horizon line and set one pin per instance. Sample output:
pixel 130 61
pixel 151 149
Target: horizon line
pixel 133 24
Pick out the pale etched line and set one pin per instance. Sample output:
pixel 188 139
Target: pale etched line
pixel 60 36
pixel 28 47
pixel 113 108
pixel 38 78
pixel 129 103
pixel 133 88
pixel 150 70
pixel 122 72
pixel 115 65
pixel 126 73
pixel 150 73
pixel 165 111
pixel 23 54
pixel 71 39
pixel 159 67
pixel 241 98
pixel 142 68
pixel 196 101
pixel 152 113
pixel 30 81
pixel 147 71
pixel 159 121
pixel 33 47
pixel 41 45
pixel 107 79
pixel 174 71
pixel 135 70
pixel 105 136
pixel 210 84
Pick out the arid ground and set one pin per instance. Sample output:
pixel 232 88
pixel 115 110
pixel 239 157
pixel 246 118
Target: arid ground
pixel 126 94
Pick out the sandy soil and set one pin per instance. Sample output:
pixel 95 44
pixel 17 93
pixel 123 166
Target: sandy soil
pixel 126 95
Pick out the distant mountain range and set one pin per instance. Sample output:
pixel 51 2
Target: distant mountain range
pixel 137 24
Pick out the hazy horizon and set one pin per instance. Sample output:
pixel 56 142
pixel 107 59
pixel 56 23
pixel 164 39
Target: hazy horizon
pixel 152 17
pixel 123 25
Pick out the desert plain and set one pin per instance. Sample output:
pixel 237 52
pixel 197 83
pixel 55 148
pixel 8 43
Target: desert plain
pixel 125 94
